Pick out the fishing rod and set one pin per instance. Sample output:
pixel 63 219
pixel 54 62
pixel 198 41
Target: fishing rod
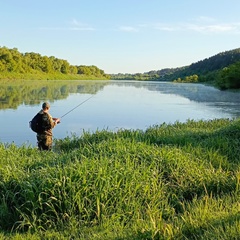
pixel 76 106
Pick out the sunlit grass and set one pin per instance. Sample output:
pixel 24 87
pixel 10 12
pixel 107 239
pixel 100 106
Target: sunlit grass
pixel 172 181
pixel 6 76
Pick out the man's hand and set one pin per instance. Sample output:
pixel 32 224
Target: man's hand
pixel 57 120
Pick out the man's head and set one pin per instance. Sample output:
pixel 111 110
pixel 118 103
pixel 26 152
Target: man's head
pixel 45 106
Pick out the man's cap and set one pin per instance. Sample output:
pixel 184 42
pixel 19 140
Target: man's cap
pixel 45 105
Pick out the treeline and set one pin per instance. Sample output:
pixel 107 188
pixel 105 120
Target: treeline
pixel 154 75
pixel 12 61
pixel 188 79
pixel 222 70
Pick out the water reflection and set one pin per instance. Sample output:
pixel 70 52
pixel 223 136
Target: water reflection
pixel 227 101
pixel 114 105
pixel 13 94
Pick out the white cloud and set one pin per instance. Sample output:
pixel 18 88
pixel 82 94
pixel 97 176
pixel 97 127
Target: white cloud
pixel 201 27
pixel 205 19
pixel 73 25
pixel 221 28
pixel 167 28
pixel 79 26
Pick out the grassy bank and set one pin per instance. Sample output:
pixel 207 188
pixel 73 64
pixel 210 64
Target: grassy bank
pixel 172 181
pixel 47 76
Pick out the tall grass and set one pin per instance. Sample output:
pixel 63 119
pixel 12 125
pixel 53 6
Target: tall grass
pixel 172 181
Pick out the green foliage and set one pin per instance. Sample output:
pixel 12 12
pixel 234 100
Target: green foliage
pixel 150 76
pixel 14 64
pixel 229 77
pixel 90 70
pixel 172 181
pixel 221 70
pixel 188 79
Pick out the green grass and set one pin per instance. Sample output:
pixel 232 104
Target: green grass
pixel 11 76
pixel 172 181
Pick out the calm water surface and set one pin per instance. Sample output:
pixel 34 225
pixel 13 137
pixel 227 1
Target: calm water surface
pixel 115 105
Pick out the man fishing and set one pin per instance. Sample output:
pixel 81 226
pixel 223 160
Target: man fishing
pixel 43 123
pixel 47 123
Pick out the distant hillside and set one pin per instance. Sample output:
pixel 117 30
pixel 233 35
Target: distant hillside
pixel 216 62
pixel 217 69
pixel 207 66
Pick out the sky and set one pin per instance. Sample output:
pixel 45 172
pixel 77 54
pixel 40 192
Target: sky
pixel 122 36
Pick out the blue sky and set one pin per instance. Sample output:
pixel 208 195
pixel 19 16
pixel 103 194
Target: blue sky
pixel 122 36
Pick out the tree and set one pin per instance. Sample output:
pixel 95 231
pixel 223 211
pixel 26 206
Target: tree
pixel 73 69
pixel 65 67
pixel 11 60
pixel 229 77
pixel 45 64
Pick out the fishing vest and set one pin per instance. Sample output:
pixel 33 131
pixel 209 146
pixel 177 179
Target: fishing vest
pixel 40 122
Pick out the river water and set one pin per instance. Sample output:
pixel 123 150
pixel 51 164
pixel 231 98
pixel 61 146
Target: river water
pixel 111 105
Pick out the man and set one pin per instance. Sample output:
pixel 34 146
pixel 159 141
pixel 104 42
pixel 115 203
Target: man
pixel 48 123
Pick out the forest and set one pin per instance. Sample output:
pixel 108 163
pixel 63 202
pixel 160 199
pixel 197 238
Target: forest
pixel 221 70
pixel 16 65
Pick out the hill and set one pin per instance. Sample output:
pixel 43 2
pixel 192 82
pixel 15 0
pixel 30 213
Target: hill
pixel 221 69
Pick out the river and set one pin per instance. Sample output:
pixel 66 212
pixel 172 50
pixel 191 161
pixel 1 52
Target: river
pixel 110 105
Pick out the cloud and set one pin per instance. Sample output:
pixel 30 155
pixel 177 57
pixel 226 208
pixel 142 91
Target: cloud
pixel 167 28
pixel 205 19
pixel 73 25
pixel 67 29
pixel 206 25
pixel 216 28
pixel 79 26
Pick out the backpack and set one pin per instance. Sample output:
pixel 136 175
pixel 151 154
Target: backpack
pixel 36 124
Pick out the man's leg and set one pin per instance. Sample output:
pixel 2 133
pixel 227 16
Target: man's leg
pixel 44 142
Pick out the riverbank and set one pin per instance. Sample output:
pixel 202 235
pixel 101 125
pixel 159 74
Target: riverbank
pixel 172 181
pixel 4 76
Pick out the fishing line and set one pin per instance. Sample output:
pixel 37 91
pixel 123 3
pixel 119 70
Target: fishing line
pixel 76 106
pixel 8 140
